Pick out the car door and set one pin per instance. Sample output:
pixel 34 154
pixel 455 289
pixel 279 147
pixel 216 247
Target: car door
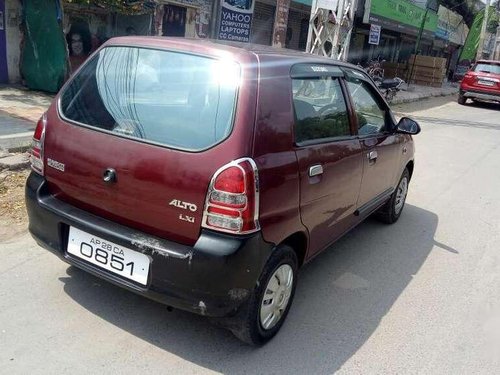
pixel 379 143
pixel 328 154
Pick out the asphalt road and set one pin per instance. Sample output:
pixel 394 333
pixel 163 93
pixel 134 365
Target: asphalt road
pixel 421 296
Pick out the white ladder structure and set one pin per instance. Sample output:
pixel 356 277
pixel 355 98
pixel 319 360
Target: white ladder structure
pixel 330 28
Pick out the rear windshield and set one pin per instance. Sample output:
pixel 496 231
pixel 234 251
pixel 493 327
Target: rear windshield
pixel 174 99
pixel 487 68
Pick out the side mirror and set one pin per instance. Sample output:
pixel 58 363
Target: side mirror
pixel 408 126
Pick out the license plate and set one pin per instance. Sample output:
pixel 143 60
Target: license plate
pixel 108 255
pixel 485 82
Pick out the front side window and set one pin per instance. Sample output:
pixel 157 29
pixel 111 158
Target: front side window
pixel 371 117
pixel 178 100
pixel 320 109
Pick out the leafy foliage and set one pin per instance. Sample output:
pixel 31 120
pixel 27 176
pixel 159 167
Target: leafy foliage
pixel 120 6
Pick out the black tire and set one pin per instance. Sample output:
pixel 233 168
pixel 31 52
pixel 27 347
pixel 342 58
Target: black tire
pixel 388 213
pixel 389 95
pixel 246 324
pixel 461 99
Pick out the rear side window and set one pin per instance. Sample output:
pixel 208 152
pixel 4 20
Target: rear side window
pixel 487 68
pixel 173 99
pixel 320 109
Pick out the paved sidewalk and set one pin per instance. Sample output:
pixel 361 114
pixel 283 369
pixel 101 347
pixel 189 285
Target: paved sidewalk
pixel 20 109
pixel 414 92
pixel 18 101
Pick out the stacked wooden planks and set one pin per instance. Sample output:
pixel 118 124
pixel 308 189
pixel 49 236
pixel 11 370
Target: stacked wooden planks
pixel 428 70
pixel 392 70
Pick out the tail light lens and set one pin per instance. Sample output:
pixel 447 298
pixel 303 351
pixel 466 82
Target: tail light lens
pixel 36 154
pixel 469 77
pixel 232 202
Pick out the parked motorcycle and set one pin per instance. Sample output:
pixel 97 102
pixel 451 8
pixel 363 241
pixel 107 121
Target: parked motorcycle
pixel 391 87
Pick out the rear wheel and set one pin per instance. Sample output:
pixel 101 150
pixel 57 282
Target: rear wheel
pixel 391 211
pixel 461 99
pixel 263 315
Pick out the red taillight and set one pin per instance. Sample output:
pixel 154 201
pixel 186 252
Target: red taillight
pixel 469 78
pixel 232 200
pixel 231 180
pixel 36 154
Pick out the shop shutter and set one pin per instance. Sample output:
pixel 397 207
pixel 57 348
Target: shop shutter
pixel 298 22
pixel 262 24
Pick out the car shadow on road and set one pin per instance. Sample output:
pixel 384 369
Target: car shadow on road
pixel 341 299
pixel 484 105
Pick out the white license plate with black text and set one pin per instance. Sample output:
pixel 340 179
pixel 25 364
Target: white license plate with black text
pixel 108 255
pixel 486 82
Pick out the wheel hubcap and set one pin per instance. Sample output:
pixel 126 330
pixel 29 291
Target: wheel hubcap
pixel 276 296
pixel 401 195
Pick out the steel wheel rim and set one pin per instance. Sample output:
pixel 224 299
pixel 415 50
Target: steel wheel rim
pixel 276 296
pixel 401 195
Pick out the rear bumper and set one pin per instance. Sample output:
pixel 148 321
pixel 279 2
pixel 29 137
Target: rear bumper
pixel 213 277
pixel 475 94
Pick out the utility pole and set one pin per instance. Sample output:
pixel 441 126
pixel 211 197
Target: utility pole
pixel 480 47
pixel 429 4
pixel 497 45
pixel 214 19
pixel 330 28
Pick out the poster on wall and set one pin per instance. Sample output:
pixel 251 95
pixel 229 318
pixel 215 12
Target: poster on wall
pixel 281 23
pixel 236 20
pixel 374 37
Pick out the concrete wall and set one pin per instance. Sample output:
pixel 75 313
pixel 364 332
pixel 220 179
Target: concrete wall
pixel 12 20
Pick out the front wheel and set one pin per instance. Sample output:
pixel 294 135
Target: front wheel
pixel 263 315
pixel 461 99
pixel 391 211
pixel 389 95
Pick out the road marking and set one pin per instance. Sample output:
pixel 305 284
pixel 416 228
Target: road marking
pixel 16 135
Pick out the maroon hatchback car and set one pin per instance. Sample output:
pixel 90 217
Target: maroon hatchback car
pixel 204 175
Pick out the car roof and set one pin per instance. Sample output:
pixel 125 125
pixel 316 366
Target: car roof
pixel 288 56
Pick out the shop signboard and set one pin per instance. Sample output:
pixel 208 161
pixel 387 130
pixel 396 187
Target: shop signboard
pixel 374 37
pixel 420 3
pixel 451 26
pixel 402 16
pixel 327 4
pixel 468 54
pixel 471 45
pixel 280 23
pixel 236 20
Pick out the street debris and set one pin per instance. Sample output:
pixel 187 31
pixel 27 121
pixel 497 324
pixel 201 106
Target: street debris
pixel 13 218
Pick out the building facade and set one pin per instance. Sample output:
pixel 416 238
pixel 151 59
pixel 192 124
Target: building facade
pixel 399 23
pixel 85 26
pixel 10 40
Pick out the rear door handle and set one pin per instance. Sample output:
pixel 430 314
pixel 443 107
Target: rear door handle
pixel 372 156
pixel 315 170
